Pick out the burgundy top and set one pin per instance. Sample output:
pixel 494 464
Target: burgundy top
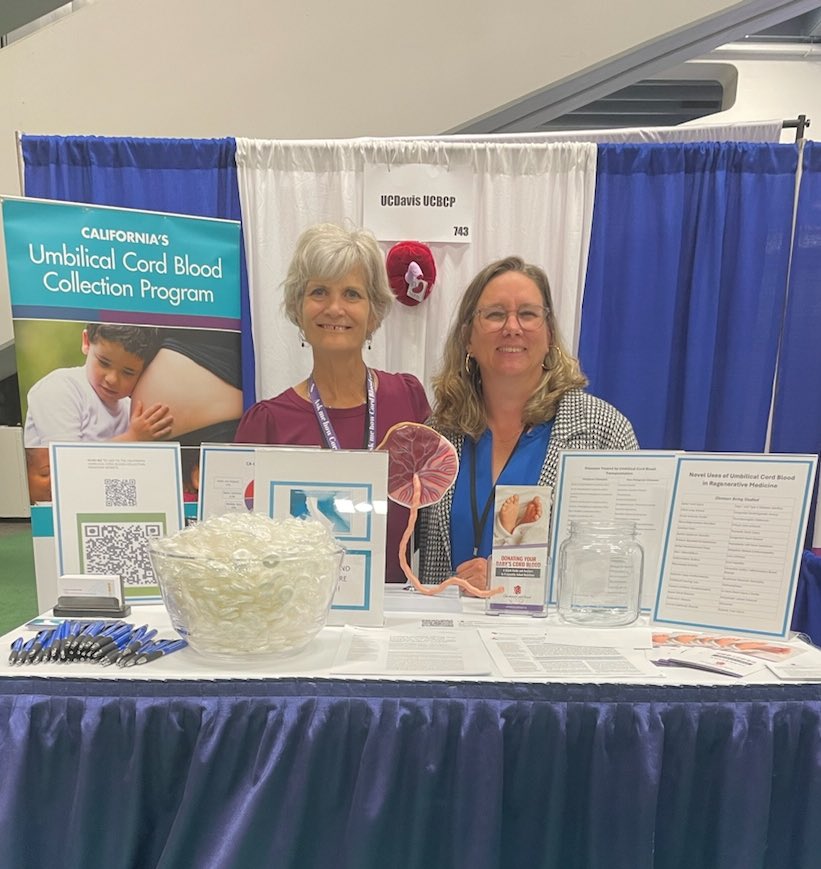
pixel 289 419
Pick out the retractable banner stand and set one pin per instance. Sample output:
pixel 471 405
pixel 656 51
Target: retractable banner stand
pixel 127 328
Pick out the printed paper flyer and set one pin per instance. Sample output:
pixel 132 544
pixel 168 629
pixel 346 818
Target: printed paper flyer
pixel 732 547
pixel 519 562
pixel 346 491
pixel 110 500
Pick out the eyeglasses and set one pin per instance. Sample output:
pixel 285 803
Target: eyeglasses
pixel 529 317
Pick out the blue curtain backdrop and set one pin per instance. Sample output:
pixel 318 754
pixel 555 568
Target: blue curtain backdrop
pixel 797 410
pixel 685 289
pixel 182 176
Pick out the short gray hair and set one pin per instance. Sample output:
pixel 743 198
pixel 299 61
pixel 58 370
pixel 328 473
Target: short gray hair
pixel 328 252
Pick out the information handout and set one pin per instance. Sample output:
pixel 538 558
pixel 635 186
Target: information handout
pixel 109 501
pixel 226 479
pixel 518 563
pixel 410 652
pixel 346 491
pixel 713 660
pixel 732 552
pixel 518 655
pixel 616 487
pixel 806 669
pixel 406 599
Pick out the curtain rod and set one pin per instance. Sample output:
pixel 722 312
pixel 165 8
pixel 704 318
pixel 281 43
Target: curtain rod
pixel 799 124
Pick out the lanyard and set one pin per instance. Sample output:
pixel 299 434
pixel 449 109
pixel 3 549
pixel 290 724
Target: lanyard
pixel 328 433
pixel 479 523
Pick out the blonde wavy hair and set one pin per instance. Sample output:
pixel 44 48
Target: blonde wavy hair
pixel 327 251
pixel 458 404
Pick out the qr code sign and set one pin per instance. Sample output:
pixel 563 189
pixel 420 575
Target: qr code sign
pixel 120 493
pixel 120 548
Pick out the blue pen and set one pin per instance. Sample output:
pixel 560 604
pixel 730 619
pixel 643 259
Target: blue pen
pixel 16 646
pixel 73 640
pixel 24 652
pixel 61 641
pixel 128 660
pixel 106 640
pixel 138 634
pixel 34 651
pixel 45 652
pixel 74 630
pixel 49 652
pixel 84 634
pixel 58 642
pixel 149 646
pixel 159 653
pixel 111 654
pixel 122 643
pixel 95 631
pixel 138 645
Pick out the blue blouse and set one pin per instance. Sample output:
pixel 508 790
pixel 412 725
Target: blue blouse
pixel 523 469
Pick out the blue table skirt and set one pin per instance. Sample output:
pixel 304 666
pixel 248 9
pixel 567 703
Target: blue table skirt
pixel 330 773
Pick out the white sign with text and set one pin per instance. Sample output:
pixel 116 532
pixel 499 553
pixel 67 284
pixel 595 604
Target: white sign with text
pixel 732 549
pixel 419 201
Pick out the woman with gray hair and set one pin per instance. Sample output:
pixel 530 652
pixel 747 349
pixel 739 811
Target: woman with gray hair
pixel 336 292
pixel 509 397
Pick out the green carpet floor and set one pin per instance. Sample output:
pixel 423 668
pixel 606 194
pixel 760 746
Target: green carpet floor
pixel 18 590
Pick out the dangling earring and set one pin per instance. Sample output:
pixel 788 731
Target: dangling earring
pixel 301 337
pixel 369 342
pixel 545 361
pixel 467 364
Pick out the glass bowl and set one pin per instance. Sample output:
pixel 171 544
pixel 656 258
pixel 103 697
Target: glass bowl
pixel 255 603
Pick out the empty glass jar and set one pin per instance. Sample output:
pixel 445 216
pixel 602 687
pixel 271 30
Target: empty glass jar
pixel 600 572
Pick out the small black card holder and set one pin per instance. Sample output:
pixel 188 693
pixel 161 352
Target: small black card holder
pixel 77 606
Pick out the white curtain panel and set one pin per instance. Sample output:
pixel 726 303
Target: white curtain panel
pixel 534 200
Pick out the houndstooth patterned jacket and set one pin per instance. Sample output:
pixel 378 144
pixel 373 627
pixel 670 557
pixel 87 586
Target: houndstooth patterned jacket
pixel 583 422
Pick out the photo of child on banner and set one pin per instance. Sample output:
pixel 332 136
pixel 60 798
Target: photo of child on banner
pixel 98 382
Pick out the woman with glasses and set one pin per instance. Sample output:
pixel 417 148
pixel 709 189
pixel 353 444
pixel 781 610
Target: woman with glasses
pixel 337 293
pixel 509 397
